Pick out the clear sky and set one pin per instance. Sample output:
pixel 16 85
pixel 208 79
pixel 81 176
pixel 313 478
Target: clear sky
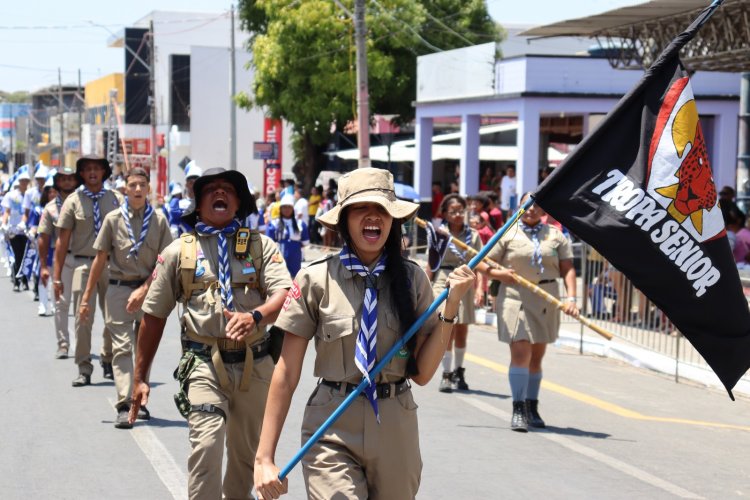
pixel 38 36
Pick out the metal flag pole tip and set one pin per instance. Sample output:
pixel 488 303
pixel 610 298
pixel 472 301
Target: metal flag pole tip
pixel 399 344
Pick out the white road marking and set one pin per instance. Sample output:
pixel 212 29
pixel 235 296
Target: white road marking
pixel 572 445
pixel 171 474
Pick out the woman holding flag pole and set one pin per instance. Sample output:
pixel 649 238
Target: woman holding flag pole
pixel 356 305
pixel 541 254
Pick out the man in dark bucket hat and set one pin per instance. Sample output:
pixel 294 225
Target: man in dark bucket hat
pixel 232 282
pixel 236 179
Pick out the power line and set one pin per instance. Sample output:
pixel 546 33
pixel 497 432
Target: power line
pixel 448 29
pixel 408 27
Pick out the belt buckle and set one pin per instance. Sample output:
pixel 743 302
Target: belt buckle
pixel 387 391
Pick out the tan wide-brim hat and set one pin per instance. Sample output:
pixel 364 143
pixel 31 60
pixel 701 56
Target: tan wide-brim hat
pixel 368 185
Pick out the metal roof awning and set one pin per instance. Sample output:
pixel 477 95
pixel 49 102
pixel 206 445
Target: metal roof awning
pixel 625 16
pixel 632 37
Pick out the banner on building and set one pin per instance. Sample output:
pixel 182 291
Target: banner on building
pixel 272 167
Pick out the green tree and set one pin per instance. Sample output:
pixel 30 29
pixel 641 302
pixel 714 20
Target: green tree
pixel 18 96
pixel 303 54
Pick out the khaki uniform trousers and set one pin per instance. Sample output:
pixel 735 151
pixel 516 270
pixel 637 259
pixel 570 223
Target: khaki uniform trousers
pixel 62 305
pixel 120 324
pixel 81 271
pixel 357 458
pixel 241 431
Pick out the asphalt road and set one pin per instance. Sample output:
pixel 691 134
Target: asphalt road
pixel 614 431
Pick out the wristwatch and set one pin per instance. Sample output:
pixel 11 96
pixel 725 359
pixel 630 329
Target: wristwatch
pixel 257 316
pixel 446 320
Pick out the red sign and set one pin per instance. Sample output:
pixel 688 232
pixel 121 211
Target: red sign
pixel 272 168
pixel 161 178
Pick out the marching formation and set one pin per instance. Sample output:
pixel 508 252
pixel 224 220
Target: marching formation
pixel 247 310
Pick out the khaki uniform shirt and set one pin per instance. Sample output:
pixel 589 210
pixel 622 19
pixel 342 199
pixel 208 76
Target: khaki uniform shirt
pixel 515 248
pixel 452 260
pixel 203 312
pixel 114 239
pixel 78 215
pixel 50 214
pixel 326 303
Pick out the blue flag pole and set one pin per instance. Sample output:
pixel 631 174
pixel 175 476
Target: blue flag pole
pixel 398 345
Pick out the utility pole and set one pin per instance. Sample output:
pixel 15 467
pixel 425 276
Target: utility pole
pixel 232 92
pixel 60 111
pixel 363 104
pixel 28 136
pixel 13 136
pixel 80 115
pixel 152 89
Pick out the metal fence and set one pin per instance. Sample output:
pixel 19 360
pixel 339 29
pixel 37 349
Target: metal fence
pixel 608 298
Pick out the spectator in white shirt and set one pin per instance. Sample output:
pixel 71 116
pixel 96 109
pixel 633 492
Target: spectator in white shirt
pixel 508 194
pixel 301 211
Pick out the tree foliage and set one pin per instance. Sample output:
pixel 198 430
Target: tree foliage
pixel 303 54
pixel 19 96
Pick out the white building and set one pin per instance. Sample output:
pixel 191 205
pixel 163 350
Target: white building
pixel 205 39
pixel 531 85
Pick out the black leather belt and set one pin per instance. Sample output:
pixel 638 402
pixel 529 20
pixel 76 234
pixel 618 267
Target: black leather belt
pixel 383 390
pixel 544 282
pixel 131 283
pixel 83 257
pixel 233 356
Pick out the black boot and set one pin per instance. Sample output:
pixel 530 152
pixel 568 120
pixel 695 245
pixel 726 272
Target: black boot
pixel 532 407
pixel 519 421
pixel 458 379
pixel 107 369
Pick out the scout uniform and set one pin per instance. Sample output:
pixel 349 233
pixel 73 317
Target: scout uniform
pixel 77 214
pixel 523 315
pixel 356 455
pixel 126 273
pixel 227 381
pixel 455 257
pixel 50 214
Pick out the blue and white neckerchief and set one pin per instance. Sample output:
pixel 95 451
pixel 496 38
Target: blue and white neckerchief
pixel 59 203
pixel 225 274
pixel 144 229
pixel 97 211
pixel 365 354
pixel 452 247
pixel 536 255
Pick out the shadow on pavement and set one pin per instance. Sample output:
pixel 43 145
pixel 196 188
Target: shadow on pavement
pixel 163 422
pixel 572 431
pixel 475 392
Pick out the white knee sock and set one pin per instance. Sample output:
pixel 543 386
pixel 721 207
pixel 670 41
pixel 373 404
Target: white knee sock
pixel 447 359
pixel 459 351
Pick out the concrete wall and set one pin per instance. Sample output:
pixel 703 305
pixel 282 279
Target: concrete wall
pixel 209 117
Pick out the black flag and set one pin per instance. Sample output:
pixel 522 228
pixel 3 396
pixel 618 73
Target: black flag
pixel 639 189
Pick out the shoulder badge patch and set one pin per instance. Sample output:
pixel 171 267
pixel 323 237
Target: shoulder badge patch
pixel 277 258
pixel 293 293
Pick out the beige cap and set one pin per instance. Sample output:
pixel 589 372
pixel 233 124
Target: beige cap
pixel 368 185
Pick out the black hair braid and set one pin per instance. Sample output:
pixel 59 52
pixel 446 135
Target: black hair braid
pixel 401 286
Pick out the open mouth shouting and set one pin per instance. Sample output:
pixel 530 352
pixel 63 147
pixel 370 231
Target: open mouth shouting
pixel 220 205
pixel 371 233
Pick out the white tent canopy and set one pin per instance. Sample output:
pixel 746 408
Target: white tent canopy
pixel 406 151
